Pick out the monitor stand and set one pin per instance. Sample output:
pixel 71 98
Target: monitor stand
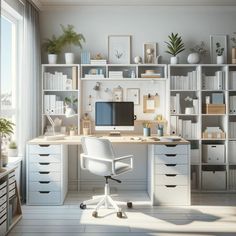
pixel 114 133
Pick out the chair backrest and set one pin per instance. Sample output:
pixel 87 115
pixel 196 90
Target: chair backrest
pixel 97 147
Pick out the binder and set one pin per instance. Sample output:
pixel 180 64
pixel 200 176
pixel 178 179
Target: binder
pixel 173 125
pixel 52 104
pixel 74 77
pixel 46 104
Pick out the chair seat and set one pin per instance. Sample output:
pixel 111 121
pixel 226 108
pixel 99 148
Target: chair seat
pixel 121 167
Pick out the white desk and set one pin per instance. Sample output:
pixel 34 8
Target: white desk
pixel 168 169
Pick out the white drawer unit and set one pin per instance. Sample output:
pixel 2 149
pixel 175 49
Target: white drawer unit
pixel 44 149
pixel 3 191
pixel 44 198
pixel 3 199
pixel 171 179
pixel 3 206
pixel 46 179
pixel 171 174
pixel 171 159
pixel 3 227
pixel 171 195
pixel 171 149
pixel 178 169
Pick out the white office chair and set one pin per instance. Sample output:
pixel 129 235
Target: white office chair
pixel 99 159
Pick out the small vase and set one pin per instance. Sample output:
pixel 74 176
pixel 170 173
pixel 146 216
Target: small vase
pixel 72 132
pixel 193 58
pixel 174 60
pixel 69 58
pixel 52 58
pixel 220 59
pixel 233 55
pixel 146 132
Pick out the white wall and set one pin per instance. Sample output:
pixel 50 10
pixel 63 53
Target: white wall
pixel 145 24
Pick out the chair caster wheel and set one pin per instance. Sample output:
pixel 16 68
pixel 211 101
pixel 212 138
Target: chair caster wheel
pixel 119 214
pixel 129 204
pixel 95 214
pixel 82 206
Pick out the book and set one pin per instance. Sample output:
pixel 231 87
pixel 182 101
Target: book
pixel 74 77
pixel 173 125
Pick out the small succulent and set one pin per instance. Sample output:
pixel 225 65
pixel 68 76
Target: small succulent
pixel 12 145
pixel 175 44
pixel 219 49
pixel 199 48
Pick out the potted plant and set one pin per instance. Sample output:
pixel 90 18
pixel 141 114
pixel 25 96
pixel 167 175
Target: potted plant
pixel 72 130
pixel 233 39
pixel 6 129
pixel 219 53
pixel 53 47
pixel 69 38
pixel 12 149
pixel 175 46
pixel 197 52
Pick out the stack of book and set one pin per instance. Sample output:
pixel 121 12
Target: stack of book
pixel 60 81
pixel 98 62
pixel 232 179
pixel 53 105
pixel 151 74
pixel 115 74
pixel 232 104
pixel 232 80
pixel 232 129
pixel 188 82
pixel 216 82
pixel 184 128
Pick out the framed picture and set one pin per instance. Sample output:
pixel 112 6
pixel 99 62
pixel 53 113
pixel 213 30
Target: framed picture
pixel 119 49
pixel 222 40
pixel 133 95
pixel 150 102
pixel 117 94
pixel 149 53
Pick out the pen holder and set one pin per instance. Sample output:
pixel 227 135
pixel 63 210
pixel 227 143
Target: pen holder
pixel 146 132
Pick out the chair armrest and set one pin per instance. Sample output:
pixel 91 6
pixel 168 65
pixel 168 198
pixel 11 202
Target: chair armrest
pixel 84 156
pixel 130 157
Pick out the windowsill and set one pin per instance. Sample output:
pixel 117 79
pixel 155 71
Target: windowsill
pixel 12 161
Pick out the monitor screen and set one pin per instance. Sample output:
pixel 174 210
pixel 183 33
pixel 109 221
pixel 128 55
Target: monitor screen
pixel 114 115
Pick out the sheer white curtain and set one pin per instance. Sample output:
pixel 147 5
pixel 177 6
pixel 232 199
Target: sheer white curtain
pixel 30 83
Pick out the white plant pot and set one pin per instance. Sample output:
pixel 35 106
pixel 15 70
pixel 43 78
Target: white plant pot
pixel 193 58
pixel 12 152
pixel 52 58
pixel 220 59
pixel 69 58
pixel 174 60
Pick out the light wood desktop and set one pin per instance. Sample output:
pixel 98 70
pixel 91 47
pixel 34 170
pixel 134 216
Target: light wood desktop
pixel 167 168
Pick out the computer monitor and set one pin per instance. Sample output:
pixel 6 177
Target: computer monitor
pixel 114 116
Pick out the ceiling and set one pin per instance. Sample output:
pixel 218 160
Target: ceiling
pixel 46 3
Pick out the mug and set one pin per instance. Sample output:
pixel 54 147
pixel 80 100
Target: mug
pixel 146 132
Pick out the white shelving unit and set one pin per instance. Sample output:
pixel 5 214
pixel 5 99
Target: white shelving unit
pixel 56 79
pixel 202 173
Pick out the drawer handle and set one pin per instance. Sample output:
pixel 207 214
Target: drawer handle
pixel 44 182
pixel 170 186
pixel 44 172
pixel 44 164
pixel 170 164
pixel 170 175
pixel 44 192
pixel 171 145
pixel 170 155
pixel 44 155
pixel 44 145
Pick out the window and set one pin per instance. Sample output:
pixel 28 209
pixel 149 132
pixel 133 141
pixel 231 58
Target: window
pixel 10 38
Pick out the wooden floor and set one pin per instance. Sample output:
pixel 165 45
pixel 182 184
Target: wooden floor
pixel 210 214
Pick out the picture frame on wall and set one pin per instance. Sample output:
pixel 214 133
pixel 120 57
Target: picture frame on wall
pixel 119 49
pixel 150 53
pixel 117 94
pixel 133 95
pixel 218 38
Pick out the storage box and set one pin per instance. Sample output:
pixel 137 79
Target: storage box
pixel 213 135
pixel 213 109
pixel 214 180
pixel 213 153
